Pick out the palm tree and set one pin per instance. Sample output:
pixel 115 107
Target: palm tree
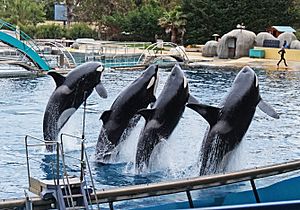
pixel 174 22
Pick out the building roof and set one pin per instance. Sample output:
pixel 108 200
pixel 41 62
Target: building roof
pixel 284 28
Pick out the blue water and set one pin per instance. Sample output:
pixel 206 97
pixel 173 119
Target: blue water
pixel 267 141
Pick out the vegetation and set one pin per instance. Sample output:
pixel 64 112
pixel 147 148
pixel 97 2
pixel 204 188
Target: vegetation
pixel 22 12
pixel 51 31
pixel 221 16
pixel 187 21
pixel 140 24
pixel 56 31
pixel 174 22
pixel 80 30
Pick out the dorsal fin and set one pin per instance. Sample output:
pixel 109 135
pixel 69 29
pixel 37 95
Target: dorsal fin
pixel 105 116
pixel 192 100
pixel 58 78
pixel 146 113
pixel 209 113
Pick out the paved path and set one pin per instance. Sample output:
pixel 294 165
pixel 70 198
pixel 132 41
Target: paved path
pixel 197 59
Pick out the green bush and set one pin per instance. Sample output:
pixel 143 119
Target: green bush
pixel 80 30
pixel 30 30
pixel 52 31
pixel 55 31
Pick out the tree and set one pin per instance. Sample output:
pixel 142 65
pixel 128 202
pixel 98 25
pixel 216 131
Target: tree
pixel 206 17
pixel 22 12
pixel 174 22
pixel 49 8
pixel 140 24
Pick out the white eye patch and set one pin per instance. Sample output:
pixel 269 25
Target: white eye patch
pixel 184 82
pixel 256 82
pixel 100 68
pixel 151 83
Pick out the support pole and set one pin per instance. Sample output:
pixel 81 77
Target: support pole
pixel 255 191
pixel 188 193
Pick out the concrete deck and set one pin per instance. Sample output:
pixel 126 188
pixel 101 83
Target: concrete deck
pixel 197 60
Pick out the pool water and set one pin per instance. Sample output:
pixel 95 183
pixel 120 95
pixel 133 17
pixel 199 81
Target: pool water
pixel 267 141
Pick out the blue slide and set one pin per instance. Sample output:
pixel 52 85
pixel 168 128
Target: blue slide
pixel 33 56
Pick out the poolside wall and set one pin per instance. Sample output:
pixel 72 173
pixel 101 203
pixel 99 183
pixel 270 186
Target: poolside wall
pixel 272 53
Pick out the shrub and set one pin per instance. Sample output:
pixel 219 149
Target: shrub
pixel 30 30
pixel 52 31
pixel 80 30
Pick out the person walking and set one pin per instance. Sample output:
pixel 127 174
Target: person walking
pixel 282 52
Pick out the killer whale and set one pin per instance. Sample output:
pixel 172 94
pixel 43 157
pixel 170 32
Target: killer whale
pixel 120 118
pixel 163 117
pixel 229 122
pixel 69 94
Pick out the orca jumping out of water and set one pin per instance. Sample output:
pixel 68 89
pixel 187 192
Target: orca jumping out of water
pixel 70 93
pixel 229 122
pixel 163 117
pixel 121 117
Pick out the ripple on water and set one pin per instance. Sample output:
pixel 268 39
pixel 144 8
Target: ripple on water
pixel 267 141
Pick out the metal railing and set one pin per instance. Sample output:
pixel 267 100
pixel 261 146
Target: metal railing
pixel 184 185
pixel 42 143
pixel 61 156
pixel 154 49
pixel 83 163
pixel 197 183
pixel 68 56
pixel 24 37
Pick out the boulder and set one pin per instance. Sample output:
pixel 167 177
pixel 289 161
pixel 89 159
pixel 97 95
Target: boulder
pixel 236 44
pixel 210 49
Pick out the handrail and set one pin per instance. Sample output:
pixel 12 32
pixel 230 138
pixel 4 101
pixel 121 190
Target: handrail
pixel 41 140
pixel 65 174
pixel 185 185
pixel 34 145
pixel 93 184
pixel 57 45
pixel 163 188
pixel 24 36
pixel 82 166
pixel 155 45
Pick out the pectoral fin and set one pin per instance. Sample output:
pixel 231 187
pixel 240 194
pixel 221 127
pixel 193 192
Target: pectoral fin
pixel 64 117
pixel 266 108
pixel 105 116
pixel 58 78
pixel 146 113
pixel 222 127
pixel 209 113
pixel 101 90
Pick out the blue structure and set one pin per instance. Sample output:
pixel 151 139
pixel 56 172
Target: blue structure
pixel 277 30
pixel 256 53
pixel 27 50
